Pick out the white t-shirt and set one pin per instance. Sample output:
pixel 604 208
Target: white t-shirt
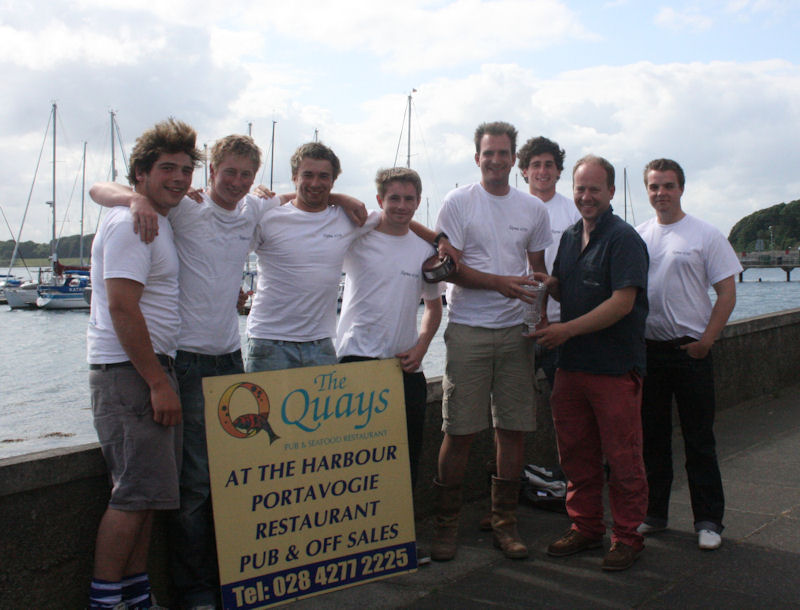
pixel 300 258
pixel 563 214
pixel 686 258
pixel 494 234
pixel 213 244
pixel 117 252
pixel 381 295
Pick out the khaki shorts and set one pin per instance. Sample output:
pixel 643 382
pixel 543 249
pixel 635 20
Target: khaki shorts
pixel 487 367
pixel 143 457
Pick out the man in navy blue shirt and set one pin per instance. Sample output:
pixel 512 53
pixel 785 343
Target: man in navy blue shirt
pixel 600 278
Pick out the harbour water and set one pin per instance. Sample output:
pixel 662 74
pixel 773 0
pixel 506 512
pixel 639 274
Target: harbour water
pixel 43 377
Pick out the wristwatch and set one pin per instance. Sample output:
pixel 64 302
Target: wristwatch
pixel 438 238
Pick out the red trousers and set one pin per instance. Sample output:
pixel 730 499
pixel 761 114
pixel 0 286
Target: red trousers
pixel 597 416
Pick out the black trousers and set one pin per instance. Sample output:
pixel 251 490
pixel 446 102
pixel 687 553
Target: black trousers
pixel 671 372
pixel 415 388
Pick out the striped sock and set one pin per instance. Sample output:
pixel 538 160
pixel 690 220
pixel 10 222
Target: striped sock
pixel 136 591
pixel 104 594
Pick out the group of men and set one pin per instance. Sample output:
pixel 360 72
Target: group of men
pixel 614 362
pixel 189 262
pixel 164 316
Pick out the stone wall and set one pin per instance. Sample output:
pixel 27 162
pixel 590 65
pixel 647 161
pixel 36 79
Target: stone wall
pixel 51 502
pixel 757 356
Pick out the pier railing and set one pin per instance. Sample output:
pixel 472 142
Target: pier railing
pixel 51 502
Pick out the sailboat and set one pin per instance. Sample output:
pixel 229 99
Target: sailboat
pixel 23 295
pixel 8 280
pixel 66 289
pixel 67 283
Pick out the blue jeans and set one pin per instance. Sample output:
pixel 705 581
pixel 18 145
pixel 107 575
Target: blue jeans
pixel 193 553
pixel 672 372
pixel 276 355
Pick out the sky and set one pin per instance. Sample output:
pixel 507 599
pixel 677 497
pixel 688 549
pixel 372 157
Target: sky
pixel 713 84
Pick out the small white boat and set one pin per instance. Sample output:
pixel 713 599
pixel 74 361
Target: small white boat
pixel 23 296
pixel 7 281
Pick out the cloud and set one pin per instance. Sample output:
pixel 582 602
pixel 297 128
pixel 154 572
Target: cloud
pixel 424 35
pixel 746 9
pixel 726 123
pixel 730 125
pixel 343 68
pixel 690 19
pixel 56 43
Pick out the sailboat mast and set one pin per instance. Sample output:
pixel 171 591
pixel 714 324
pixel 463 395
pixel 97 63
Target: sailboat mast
pixel 205 165
pixel 272 155
pixel 625 189
pixel 408 157
pixel 83 193
pixel 53 254
pixel 113 158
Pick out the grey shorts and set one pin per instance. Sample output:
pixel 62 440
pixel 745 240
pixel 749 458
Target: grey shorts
pixel 143 457
pixel 487 370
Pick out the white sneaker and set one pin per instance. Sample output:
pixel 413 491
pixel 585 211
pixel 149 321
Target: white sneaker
pixel 708 540
pixel 645 529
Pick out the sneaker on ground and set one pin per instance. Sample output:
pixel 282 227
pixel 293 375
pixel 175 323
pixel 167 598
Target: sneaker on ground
pixel 573 542
pixel 645 529
pixel 708 540
pixel 620 556
pixel 423 556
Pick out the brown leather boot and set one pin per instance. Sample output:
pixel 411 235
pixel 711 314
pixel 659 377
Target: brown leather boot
pixel 447 505
pixel 505 497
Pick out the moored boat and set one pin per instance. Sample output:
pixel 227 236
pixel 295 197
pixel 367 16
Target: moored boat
pixel 66 290
pixel 7 281
pixel 23 296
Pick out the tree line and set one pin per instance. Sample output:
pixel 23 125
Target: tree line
pixel 784 218
pixel 68 247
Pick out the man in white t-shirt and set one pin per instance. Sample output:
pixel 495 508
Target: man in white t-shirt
pixel 499 232
pixel 131 341
pixel 541 162
pixel 381 297
pixel 212 239
pixel 687 257
pixel 300 248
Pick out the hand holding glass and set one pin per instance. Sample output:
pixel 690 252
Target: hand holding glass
pixel 533 311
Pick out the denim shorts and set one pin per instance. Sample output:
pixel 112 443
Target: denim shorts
pixel 276 355
pixel 143 457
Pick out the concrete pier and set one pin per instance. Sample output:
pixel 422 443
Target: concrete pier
pixel 786 260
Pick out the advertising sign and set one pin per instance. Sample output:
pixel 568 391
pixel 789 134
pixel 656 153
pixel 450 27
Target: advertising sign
pixel 310 480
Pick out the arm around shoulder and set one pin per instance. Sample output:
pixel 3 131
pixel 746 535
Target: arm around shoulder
pixel 145 217
pixel 355 209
